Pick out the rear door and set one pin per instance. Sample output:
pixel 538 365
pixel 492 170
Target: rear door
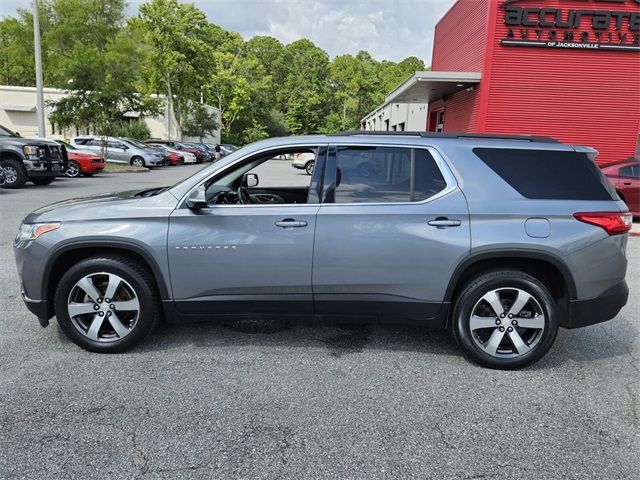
pixel 629 186
pixel 389 236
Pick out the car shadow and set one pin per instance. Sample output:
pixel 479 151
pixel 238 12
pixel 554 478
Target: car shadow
pixel 337 338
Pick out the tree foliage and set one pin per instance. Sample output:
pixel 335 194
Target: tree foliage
pixel 112 65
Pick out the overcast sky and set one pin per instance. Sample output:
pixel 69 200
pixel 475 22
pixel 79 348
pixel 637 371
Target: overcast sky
pixel 388 29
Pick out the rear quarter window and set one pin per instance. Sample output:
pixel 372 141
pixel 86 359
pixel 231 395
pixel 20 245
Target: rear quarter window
pixel 548 174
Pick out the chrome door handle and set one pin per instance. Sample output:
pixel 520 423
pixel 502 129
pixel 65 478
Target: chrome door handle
pixel 442 222
pixel 291 223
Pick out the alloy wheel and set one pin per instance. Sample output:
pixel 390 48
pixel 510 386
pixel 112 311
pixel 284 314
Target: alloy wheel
pixel 507 322
pixel 103 307
pixel 10 175
pixel 73 170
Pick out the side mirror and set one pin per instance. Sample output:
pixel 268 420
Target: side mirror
pixel 197 200
pixel 250 180
pixel 124 147
pixel 17 134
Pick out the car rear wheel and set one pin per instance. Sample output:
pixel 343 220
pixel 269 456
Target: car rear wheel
pixel 505 319
pixel 42 180
pixel 107 304
pixel 15 174
pixel 309 168
pixel 137 162
pixel 74 169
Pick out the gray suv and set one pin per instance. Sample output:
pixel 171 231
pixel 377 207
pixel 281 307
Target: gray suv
pixel 501 239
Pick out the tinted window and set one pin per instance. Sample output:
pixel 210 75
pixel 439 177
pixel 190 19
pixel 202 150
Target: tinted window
pixel 383 174
pixel 546 174
pixel 630 171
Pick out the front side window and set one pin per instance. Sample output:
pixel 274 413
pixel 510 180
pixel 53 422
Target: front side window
pixel 266 179
pixel 385 175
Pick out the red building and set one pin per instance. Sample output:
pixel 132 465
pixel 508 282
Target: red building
pixel 563 68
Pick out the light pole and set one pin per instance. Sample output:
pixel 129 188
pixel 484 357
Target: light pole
pixel 38 54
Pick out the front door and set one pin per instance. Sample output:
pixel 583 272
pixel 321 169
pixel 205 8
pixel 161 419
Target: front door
pixel 390 235
pixel 254 257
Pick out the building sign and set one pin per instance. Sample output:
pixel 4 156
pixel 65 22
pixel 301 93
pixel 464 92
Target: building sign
pixel 599 26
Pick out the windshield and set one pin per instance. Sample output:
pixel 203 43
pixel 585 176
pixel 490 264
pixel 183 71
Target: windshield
pixel 135 143
pixel 68 145
pixel 6 133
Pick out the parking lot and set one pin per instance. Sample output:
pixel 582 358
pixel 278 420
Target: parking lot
pixel 305 400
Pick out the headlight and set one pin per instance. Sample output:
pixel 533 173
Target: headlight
pixel 31 231
pixel 30 150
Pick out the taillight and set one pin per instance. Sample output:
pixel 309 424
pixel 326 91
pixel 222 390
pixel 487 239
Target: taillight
pixel 614 223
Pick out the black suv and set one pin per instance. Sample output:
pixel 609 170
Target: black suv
pixel 23 159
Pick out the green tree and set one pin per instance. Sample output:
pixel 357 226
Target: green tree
pixel 200 123
pixel 307 87
pixel 93 53
pixel 178 36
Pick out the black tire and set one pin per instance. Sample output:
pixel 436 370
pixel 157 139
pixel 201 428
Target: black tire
pixel 471 297
pixel 365 170
pixel 138 162
pixel 15 173
pixel 87 174
pixel 74 169
pixel 309 167
pixel 138 278
pixel 42 180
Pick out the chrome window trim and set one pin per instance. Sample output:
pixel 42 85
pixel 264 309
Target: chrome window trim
pixel 442 165
pixel 448 176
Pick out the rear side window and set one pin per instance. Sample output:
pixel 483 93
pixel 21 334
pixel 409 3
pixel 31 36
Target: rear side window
pixel 630 171
pixel 547 174
pixel 386 175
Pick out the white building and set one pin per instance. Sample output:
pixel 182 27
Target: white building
pixel 399 117
pixel 18 113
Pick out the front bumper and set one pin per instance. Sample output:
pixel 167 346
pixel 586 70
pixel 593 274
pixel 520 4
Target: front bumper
pixel 606 306
pixel 44 168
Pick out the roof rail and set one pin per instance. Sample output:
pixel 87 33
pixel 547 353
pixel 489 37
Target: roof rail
pixel 488 136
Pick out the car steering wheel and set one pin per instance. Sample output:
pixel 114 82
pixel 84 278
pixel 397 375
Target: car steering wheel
pixel 243 196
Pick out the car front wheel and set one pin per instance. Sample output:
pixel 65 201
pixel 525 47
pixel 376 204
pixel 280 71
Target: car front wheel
pixel 137 162
pixel 505 319
pixel 309 168
pixel 73 170
pixel 107 304
pixel 15 175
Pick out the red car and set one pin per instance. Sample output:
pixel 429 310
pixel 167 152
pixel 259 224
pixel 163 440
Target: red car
pixel 626 178
pixel 82 162
pixel 174 144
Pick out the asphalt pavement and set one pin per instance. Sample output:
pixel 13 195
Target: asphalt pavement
pixel 305 400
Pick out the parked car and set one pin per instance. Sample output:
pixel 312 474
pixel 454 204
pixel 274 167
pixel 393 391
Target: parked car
pixel 304 161
pixel 197 152
pixel 206 154
pixel 117 150
pixel 625 177
pixel 501 239
pixel 176 157
pixel 29 159
pixel 82 162
pixel 228 148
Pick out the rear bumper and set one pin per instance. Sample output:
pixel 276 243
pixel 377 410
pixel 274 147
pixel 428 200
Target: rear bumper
pixel 583 313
